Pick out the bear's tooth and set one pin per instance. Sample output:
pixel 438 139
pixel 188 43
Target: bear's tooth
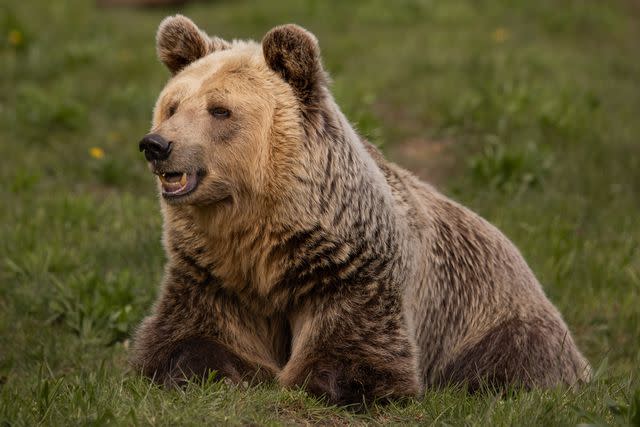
pixel 183 179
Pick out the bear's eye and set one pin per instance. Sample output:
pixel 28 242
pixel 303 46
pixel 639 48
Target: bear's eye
pixel 219 112
pixel 172 110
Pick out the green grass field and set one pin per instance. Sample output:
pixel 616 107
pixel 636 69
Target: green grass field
pixel 526 111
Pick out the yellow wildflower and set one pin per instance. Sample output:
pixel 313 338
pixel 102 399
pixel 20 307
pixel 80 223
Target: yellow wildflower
pixel 96 152
pixel 15 38
pixel 500 35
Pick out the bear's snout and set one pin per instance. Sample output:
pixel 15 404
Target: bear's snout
pixel 155 147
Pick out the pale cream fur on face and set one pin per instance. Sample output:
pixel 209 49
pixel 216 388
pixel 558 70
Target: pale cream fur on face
pixel 245 152
pixel 255 164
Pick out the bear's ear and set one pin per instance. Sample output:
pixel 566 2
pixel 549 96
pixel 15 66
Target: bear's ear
pixel 179 42
pixel 293 52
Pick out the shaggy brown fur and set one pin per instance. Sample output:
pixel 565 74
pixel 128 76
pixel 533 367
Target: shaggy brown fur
pixel 303 255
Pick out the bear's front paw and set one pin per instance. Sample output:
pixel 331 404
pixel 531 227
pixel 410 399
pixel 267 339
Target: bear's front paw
pixel 336 386
pixel 354 384
pixel 195 358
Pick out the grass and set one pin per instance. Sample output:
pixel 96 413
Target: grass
pixel 525 111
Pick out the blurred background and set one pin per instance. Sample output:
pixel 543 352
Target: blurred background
pixel 528 112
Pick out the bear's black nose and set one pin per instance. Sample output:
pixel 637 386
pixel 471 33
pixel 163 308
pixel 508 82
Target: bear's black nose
pixel 155 147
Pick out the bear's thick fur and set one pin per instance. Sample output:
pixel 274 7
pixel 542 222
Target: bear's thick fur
pixel 296 252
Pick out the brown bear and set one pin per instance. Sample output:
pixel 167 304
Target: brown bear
pixel 296 252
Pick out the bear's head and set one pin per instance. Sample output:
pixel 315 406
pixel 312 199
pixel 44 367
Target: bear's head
pixel 233 121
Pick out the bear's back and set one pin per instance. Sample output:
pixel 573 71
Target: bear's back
pixel 469 281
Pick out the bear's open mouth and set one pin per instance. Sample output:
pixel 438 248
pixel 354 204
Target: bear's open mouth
pixel 177 183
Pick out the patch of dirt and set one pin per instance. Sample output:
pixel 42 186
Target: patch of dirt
pixel 431 160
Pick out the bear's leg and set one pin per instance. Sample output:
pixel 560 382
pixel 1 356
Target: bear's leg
pixel 172 356
pixel 537 352
pixel 352 352
pixel 194 358
pixel 197 329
